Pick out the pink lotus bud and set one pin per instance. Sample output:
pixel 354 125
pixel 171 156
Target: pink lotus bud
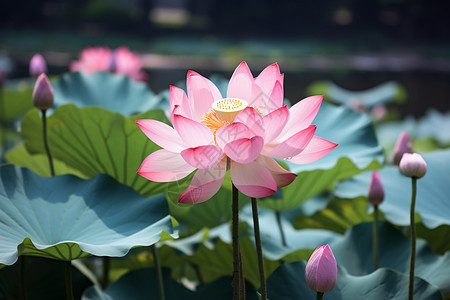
pixel 37 65
pixel 376 191
pixel 413 165
pixel 43 93
pixel 403 145
pixel 321 270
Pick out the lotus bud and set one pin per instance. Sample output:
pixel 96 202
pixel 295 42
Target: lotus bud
pixel 37 65
pixel 376 191
pixel 403 145
pixel 413 165
pixel 321 270
pixel 43 93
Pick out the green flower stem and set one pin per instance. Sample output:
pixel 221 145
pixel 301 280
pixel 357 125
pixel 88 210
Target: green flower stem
pixel 23 290
pixel 106 266
pixel 158 272
pixel 69 288
pixel 375 237
pixel 47 149
pixel 236 253
pixel 413 239
pixel 319 296
pixel 280 226
pixel 262 276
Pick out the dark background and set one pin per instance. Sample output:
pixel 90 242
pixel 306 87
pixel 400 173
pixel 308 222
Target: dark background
pixel 356 44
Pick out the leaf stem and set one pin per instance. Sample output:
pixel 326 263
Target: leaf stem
pixel 158 272
pixel 23 290
pixel 47 149
pixel 236 253
pixel 413 239
pixel 280 226
pixel 69 288
pixel 375 237
pixel 262 276
pixel 106 267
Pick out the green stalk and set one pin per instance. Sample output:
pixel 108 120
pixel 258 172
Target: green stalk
pixel 413 239
pixel 23 290
pixel 262 276
pixel 319 296
pixel 69 288
pixel 47 149
pixel 106 267
pixel 158 272
pixel 236 255
pixel 280 226
pixel 375 237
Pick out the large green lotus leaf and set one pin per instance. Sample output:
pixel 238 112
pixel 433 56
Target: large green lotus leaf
pixel 142 284
pixel 273 248
pixel 65 217
pixel 338 216
pixel 432 191
pixel 384 93
pixel 17 99
pixel 354 253
pixel 433 126
pixel 93 140
pixel 358 150
pixel 38 163
pixel 115 92
pixel 288 282
pixel 43 280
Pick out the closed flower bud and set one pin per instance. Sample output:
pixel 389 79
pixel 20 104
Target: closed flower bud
pixel 37 65
pixel 43 93
pixel 403 145
pixel 413 165
pixel 321 270
pixel 376 191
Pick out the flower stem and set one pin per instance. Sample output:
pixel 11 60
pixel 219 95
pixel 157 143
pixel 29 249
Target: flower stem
pixel 158 272
pixel 236 255
pixel 69 289
pixel 23 290
pixel 262 276
pixel 375 237
pixel 280 226
pixel 2 122
pixel 47 149
pixel 413 239
pixel 319 296
pixel 106 266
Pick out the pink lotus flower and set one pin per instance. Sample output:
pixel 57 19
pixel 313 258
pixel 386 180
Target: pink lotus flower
pixel 250 128
pixel 103 59
pixel 321 270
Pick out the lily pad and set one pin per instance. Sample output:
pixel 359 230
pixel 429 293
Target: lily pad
pixel 93 140
pixel 141 284
pixel 288 282
pixel 115 92
pixel 358 150
pixel 354 253
pixel 432 191
pixel 384 93
pixel 65 217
